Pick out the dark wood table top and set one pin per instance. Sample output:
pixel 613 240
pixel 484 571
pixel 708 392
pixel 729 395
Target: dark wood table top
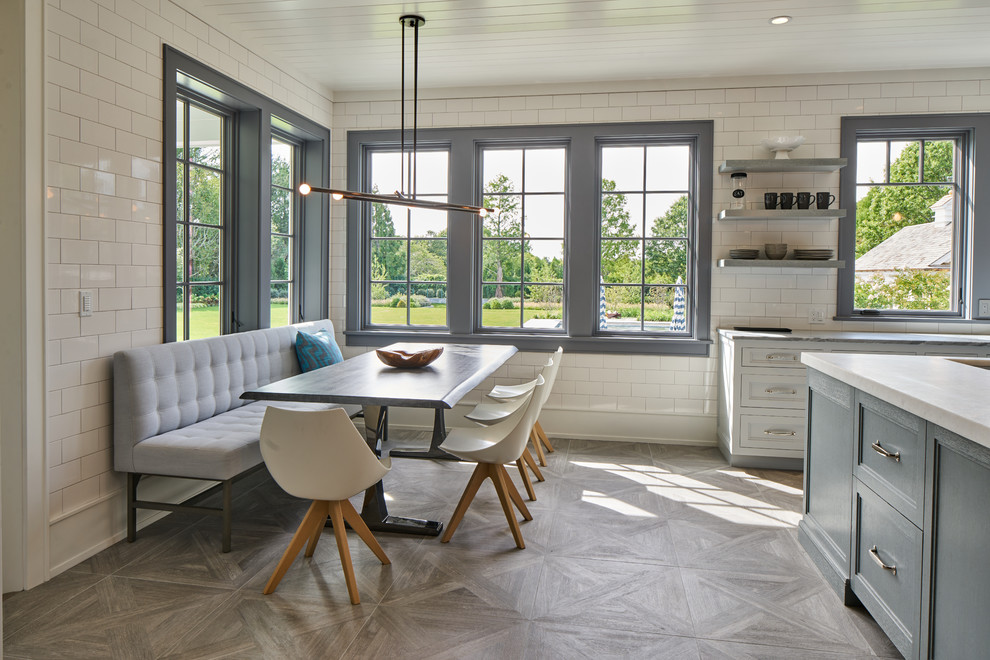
pixel 366 380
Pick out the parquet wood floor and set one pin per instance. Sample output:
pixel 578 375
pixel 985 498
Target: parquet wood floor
pixel 635 551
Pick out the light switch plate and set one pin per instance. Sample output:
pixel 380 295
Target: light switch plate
pixel 984 309
pixel 816 315
pixel 85 303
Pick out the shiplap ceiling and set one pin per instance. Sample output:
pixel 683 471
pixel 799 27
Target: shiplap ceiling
pixel 355 45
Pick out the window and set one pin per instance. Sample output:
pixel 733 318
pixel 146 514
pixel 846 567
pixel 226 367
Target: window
pixel 285 204
pixel 202 187
pixel 409 246
pixel 242 250
pixel 522 245
pixel 906 238
pixel 645 238
pixel 601 240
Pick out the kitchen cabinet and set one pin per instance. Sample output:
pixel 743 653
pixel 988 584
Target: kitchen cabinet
pixel 762 391
pixel 895 500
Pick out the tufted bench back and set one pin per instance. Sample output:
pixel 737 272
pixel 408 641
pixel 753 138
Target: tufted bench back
pixel 170 386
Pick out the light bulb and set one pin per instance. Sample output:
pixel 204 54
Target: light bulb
pixel 780 20
pixel 337 196
pixel 304 189
pixel 483 212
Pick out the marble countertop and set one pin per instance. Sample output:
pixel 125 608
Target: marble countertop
pixel 862 337
pixel 950 392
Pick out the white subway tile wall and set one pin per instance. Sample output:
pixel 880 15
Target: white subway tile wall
pixel 104 125
pixel 742 117
pixel 104 215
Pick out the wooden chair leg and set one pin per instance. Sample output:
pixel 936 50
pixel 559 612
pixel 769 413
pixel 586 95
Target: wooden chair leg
pixel 361 528
pixel 316 515
pixel 479 475
pixel 514 493
pixel 503 497
pixel 336 515
pixel 531 462
pixel 525 479
pixel 543 437
pixel 317 532
pixel 535 439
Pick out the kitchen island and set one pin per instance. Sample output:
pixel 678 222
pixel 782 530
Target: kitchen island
pixel 897 489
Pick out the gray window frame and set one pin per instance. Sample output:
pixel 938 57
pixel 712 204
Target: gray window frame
pixel 972 230
pixel 247 271
pixel 582 233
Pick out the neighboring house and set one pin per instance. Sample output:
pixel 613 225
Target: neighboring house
pixel 927 246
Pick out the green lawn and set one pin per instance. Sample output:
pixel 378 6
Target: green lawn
pixel 437 315
pixel 205 321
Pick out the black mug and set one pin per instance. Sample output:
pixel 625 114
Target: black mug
pixel 786 200
pixel 804 200
pixel 769 200
pixel 823 199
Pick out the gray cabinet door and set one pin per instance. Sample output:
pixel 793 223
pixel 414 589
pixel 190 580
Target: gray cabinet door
pixel 826 529
pixel 960 580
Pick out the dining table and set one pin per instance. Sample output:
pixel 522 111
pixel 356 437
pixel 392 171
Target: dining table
pixel 365 380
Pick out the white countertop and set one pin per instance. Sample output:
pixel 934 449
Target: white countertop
pixel 941 390
pixel 862 337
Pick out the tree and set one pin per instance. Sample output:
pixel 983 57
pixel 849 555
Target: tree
pixel 500 258
pixel 666 260
pixel 281 224
pixel 885 210
pixel 908 289
pixel 387 256
pixel 619 259
pixel 204 199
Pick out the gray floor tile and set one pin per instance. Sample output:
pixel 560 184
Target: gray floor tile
pixel 635 551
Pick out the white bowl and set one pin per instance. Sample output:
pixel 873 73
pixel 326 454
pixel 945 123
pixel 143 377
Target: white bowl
pixel 779 145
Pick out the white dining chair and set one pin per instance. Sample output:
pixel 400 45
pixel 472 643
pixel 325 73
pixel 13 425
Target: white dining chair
pixel 507 398
pixel 319 455
pixel 492 447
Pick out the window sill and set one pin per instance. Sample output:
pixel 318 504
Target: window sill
pixel 524 342
pixel 885 318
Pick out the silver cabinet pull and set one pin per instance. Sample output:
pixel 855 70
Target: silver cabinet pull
pixel 876 558
pixel 883 452
pixel 779 390
pixel 771 432
pixel 782 356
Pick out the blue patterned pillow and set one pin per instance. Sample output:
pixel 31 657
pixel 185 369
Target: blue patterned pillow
pixel 316 350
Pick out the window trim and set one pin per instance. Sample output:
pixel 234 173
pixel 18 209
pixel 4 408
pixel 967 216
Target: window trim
pixel 973 236
pixel 253 119
pixel 580 233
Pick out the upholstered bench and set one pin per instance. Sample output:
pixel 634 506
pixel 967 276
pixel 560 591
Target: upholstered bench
pixel 178 411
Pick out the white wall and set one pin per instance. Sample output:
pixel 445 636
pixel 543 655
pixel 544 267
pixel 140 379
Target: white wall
pixel 674 398
pixel 104 227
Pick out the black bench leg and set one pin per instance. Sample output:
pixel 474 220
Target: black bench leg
pixel 132 482
pixel 227 514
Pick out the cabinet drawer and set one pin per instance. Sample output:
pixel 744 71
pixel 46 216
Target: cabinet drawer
pixel 890 454
pixel 771 357
pixel 773 391
pixel 891 594
pixel 772 432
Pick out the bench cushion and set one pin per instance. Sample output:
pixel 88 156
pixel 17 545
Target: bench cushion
pixel 171 387
pixel 219 448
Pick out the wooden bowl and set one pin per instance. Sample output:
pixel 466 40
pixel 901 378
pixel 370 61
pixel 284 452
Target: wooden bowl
pixel 405 360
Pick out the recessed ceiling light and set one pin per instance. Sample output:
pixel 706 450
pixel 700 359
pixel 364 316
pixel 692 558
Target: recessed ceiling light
pixel 780 20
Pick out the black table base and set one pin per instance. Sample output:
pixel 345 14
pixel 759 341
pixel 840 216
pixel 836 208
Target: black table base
pixel 439 435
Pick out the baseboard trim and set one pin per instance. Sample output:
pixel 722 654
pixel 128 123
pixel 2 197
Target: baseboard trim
pixel 656 428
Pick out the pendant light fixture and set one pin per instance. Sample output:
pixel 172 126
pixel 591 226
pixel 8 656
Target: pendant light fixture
pixel 407 195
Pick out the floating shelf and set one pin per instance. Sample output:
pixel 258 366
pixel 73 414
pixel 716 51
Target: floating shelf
pixel 783 165
pixel 788 214
pixel 780 263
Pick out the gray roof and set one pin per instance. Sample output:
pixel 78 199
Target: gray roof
pixel 917 247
